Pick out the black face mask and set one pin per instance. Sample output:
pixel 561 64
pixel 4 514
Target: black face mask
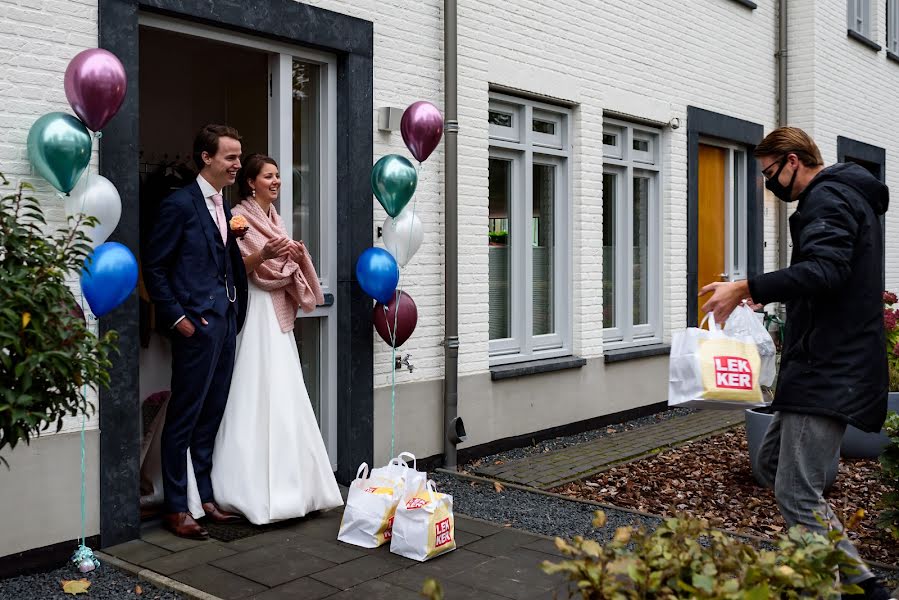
pixel 783 192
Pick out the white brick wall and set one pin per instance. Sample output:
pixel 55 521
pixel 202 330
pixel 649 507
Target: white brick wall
pixel 37 41
pixel 714 54
pixel 854 90
pixel 651 61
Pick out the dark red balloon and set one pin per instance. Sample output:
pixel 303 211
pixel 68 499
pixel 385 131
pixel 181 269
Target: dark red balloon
pixel 405 318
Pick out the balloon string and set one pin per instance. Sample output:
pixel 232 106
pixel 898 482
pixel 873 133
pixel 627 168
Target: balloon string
pixel 83 469
pixel 392 331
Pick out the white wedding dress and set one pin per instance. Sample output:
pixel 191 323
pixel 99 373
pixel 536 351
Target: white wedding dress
pixel 269 462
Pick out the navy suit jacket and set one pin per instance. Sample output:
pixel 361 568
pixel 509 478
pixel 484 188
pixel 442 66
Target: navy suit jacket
pixel 181 262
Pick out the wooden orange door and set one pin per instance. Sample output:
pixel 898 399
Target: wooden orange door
pixel 711 217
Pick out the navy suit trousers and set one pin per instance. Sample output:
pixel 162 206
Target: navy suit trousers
pixel 201 377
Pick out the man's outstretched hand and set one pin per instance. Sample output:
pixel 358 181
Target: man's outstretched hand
pixel 726 296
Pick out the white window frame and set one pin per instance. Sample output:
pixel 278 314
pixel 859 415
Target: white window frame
pixel 525 148
pixel 893 26
pixel 626 163
pixel 858 17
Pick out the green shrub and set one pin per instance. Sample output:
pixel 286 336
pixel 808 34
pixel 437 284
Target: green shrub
pixel 47 353
pixel 685 558
pixel 889 474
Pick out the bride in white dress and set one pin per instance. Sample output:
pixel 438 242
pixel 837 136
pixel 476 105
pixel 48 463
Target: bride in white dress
pixel 270 462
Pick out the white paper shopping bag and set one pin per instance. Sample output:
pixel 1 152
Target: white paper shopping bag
pixel 423 526
pixel 370 507
pixel 711 369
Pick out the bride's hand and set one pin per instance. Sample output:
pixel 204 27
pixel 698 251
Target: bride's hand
pixel 276 247
pixel 296 251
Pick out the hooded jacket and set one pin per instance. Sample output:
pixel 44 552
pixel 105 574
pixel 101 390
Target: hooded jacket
pixel 834 359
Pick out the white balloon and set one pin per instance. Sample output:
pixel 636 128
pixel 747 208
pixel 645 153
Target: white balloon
pixel 95 196
pixel 403 235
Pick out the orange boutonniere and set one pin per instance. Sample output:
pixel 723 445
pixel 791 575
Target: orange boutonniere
pixel 239 226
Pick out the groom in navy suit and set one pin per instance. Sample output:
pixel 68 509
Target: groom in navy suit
pixel 196 278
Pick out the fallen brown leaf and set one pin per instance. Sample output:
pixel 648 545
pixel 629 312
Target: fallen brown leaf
pixel 498 487
pixel 138 590
pixel 79 586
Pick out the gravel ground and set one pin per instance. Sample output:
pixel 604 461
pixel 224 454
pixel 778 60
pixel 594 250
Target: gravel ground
pixel 533 512
pixel 107 583
pixel 573 440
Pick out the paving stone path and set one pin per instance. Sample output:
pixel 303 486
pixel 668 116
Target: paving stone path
pixel 304 561
pixel 552 469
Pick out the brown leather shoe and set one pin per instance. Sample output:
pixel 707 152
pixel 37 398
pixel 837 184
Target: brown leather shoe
pixel 217 515
pixel 184 525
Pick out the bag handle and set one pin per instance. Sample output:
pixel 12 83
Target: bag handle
pixel 362 468
pixel 431 490
pixel 405 462
pixel 710 318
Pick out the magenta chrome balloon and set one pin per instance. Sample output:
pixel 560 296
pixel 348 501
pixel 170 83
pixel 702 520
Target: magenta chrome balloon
pixel 422 128
pixel 95 86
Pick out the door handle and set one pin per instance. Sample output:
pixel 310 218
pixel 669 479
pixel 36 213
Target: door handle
pixel 724 276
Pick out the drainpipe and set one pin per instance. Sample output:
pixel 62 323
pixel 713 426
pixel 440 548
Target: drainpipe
pixel 782 115
pixel 453 430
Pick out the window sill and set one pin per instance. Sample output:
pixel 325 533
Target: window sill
pixel 534 367
pixel 892 57
pixel 863 40
pixel 623 354
pixel 747 4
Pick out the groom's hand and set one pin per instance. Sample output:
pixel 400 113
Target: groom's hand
pixel 185 327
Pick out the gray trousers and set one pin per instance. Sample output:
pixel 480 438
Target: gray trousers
pixel 793 460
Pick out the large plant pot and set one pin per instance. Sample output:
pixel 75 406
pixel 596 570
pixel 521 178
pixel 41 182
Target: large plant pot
pixel 861 444
pixel 757 421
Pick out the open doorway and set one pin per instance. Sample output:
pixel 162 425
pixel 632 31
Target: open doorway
pixel 281 101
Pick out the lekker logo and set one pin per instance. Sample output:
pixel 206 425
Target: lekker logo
pixel 733 373
pixel 444 535
pixel 388 533
pixel 415 503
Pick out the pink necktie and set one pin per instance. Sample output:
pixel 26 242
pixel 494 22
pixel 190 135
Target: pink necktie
pixel 220 216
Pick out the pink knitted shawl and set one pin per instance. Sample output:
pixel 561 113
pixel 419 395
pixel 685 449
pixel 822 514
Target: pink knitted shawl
pixel 291 285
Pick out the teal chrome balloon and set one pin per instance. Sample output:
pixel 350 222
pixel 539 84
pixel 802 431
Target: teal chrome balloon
pixel 59 147
pixel 393 181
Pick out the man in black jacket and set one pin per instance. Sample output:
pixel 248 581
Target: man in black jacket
pixel 833 369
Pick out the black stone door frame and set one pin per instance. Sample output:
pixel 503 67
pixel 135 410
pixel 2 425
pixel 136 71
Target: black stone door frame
pixel 703 123
pixel 351 41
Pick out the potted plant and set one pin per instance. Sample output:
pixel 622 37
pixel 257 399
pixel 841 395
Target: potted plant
pixel 861 444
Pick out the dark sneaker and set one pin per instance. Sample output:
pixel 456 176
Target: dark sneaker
pixel 873 590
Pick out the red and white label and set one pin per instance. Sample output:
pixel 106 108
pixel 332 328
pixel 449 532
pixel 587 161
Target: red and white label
pixel 415 503
pixel 733 373
pixel 444 535
pixel 388 533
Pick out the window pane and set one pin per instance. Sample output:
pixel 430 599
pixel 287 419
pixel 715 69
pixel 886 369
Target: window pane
pixel 609 139
pixel 738 212
pixel 307 333
pixel 609 218
pixel 544 200
pixel 641 250
pixel 499 252
pixel 306 152
pixel 547 127
pixel 500 118
pixel 641 145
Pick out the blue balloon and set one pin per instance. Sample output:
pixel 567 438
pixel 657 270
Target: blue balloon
pixel 378 274
pixel 108 277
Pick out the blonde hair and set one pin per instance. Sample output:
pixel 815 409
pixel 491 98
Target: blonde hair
pixel 790 140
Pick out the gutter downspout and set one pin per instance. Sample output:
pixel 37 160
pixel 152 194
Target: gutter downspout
pixel 453 429
pixel 782 120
